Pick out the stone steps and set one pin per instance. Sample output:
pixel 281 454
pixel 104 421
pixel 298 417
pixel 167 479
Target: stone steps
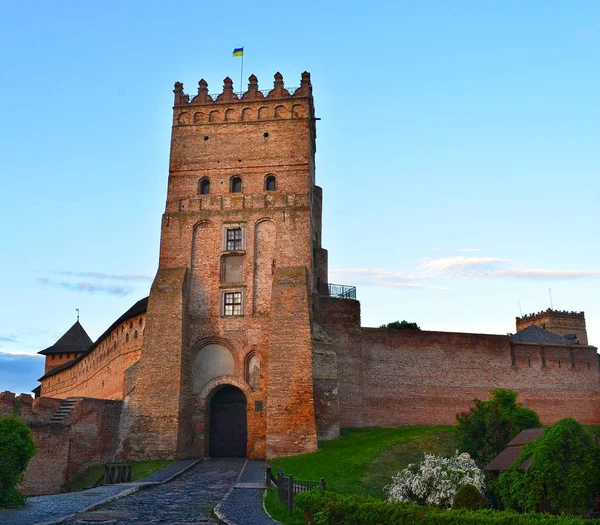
pixel 64 410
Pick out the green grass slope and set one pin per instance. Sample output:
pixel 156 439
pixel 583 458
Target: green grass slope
pixel 363 460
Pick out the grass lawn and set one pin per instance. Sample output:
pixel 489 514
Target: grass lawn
pixel 361 461
pixel 87 478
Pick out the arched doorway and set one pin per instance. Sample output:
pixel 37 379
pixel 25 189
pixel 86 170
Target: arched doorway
pixel 228 425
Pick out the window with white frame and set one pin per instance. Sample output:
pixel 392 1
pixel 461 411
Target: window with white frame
pixel 232 303
pixel 234 237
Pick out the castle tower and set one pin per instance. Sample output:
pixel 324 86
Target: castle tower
pixel 558 322
pixel 226 363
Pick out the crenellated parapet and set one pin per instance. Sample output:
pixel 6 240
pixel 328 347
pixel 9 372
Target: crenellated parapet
pixel 551 312
pixel 560 322
pixel 252 94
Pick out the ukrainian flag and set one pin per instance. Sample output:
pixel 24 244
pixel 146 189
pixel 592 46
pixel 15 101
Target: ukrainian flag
pixel 238 52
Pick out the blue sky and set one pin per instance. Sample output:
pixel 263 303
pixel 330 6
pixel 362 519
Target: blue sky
pixel 457 150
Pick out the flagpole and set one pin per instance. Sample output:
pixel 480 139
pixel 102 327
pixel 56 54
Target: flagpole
pixel 242 72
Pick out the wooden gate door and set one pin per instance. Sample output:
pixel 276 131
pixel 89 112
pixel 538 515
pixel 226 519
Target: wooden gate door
pixel 228 428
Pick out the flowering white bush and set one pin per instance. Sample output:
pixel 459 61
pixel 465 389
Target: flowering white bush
pixel 435 480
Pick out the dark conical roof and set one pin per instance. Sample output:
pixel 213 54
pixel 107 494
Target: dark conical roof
pixel 74 340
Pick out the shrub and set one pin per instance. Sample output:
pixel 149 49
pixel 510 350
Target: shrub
pixel 435 480
pixel 401 325
pixel 468 497
pixel 488 426
pixel 563 475
pixel 328 508
pixel 16 449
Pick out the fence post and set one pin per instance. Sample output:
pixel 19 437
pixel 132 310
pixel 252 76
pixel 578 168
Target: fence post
pixel 323 485
pixel 268 476
pixel 290 494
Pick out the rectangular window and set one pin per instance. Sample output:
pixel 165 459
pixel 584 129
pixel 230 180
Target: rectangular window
pixel 234 239
pixel 231 268
pixel 232 304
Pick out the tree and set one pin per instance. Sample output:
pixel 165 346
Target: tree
pixel 401 325
pixel 16 449
pixel 488 426
pixel 563 473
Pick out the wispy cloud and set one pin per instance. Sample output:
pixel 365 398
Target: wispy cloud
pixel 109 276
pixel 87 287
pixel 533 273
pixel 8 339
pixel 460 264
pixel 374 277
pixel 470 250
pixel 430 270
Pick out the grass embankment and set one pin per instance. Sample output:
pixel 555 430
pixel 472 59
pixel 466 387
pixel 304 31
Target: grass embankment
pixel 87 478
pixel 361 461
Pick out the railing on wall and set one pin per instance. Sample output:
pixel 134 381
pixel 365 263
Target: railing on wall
pixel 339 291
pixel 287 486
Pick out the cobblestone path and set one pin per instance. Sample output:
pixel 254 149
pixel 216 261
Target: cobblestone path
pixel 244 506
pixel 188 499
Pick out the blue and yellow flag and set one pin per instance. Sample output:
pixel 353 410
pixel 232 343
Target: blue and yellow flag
pixel 238 52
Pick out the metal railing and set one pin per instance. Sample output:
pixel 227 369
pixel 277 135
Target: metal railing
pixel 339 291
pixel 287 486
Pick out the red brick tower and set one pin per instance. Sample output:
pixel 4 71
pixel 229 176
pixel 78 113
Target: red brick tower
pixel 226 364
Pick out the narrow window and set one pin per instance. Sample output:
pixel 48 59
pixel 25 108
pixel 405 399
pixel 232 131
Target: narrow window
pixel 231 268
pixel 204 186
pixel 232 304
pixel 127 338
pixel 236 185
pixel 234 239
pixel 270 184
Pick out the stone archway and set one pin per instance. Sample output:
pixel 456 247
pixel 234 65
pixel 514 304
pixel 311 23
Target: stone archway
pixel 203 402
pixel 228 427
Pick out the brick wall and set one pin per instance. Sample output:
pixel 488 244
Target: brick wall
pixel 87 436
pixel 415 377
pixel 100 374
pixel 290 406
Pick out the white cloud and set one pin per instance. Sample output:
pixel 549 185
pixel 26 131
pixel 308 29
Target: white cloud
pixel 457 264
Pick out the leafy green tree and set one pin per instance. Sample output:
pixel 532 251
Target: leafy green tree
pixel 401 325
pixel 563 474
pixel 16 449
pixel 488 426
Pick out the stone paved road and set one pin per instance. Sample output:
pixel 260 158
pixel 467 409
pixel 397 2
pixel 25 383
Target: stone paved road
pixel 245 506
pixel 188 499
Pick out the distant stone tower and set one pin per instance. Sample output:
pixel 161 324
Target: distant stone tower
pixel 226 364
pixel 557 322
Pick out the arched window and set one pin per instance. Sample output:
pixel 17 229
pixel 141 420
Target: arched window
pixel 270 183
pixel 236 185
pixel 204 186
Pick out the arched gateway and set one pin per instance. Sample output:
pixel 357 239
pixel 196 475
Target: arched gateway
pixel 228 423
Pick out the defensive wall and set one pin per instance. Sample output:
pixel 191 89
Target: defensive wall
pixel 410 377
pixel 88 435
pixel 100 372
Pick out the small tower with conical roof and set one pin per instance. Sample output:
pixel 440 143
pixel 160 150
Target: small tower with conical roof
pixel 72 344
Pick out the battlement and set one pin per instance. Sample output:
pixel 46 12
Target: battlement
pixel 553 313
pixel 560 322
pixel 279 91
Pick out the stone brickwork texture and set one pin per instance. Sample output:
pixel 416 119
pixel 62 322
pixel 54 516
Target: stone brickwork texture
pixel 244 165
pixel 89 435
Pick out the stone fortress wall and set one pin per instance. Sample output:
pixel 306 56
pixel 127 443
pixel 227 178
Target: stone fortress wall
pixel 296 352
pixel 100 372
pixel 87 435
